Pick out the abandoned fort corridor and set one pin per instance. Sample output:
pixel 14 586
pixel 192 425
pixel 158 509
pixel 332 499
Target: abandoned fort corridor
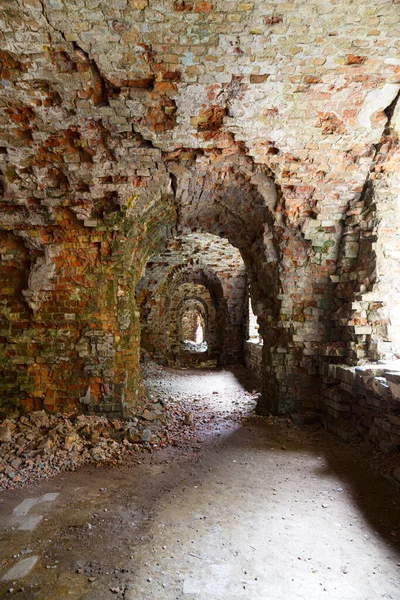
pixel 237 507
pixel 199 299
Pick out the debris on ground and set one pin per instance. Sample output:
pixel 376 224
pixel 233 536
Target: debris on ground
pixel 39 445
pixel 193 347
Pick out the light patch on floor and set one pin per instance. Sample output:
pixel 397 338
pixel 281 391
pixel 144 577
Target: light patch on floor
pixel 20 514
pixel 30 523
pixel 21 569
pixel 239 509
pixel 22 509
pixel 211 579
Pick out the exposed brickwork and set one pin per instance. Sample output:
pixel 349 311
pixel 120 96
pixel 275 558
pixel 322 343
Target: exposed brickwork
pixel 194 266
pixel 363 401
pixel 127 123
pixel 69 323
pixel 253 358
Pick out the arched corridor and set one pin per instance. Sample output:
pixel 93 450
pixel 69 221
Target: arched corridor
pixel 234 507
pixel 204 271
pixel 199 283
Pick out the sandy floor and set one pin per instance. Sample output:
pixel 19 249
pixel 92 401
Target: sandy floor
pixel 239 508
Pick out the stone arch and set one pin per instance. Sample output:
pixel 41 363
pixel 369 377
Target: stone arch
pixel 176 352
pixel 218 265
pixel 192 313
pixel 232 197
pixel 196 275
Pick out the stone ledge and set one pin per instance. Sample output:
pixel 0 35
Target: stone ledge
pixel 382 379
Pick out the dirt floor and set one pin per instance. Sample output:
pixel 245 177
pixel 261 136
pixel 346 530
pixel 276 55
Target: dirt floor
pixel 238 508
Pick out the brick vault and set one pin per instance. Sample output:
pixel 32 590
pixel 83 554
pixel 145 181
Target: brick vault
pixel 158 157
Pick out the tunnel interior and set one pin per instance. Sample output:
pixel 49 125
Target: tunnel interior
pixel 199 299
pixel 196 285
pixel 157 159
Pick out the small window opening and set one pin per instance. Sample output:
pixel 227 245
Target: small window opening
pixel 193 331
pixel 254 335
pixel 199 333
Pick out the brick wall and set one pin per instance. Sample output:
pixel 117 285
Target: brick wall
pixel 253 358
pixel 274 126
pixel 363 401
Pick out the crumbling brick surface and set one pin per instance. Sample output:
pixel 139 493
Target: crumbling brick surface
pixel 124 124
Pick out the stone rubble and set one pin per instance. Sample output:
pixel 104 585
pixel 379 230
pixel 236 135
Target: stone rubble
pixel 39 445
pixel 189 346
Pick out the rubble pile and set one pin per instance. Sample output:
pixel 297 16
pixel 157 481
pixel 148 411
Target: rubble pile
pixel 40 445
pixel 193 347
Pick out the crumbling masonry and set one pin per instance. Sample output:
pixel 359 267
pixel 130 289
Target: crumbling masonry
pixel 157 152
